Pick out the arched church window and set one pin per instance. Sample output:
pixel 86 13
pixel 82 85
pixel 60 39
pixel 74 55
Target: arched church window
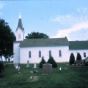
pixel 39 53
pixel 60 54
pixel 29 54
pixel 49 53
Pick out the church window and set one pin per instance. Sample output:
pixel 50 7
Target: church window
pixel 29 54
pixel 60 54
pixel 49 53
pixel 84 54
pixel 39 53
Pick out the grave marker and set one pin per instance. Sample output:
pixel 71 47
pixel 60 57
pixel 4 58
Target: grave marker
pixel 27 66
pixel 35 66
pixel 47 69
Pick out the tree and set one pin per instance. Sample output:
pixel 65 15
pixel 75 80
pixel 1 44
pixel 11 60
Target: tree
pixel 42 62
pixel 52 61
pixel 7 38
pixel 72 59
pixel 78 57
pixel 1 67
pixel 36 35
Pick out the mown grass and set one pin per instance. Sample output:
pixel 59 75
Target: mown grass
pixel 69 77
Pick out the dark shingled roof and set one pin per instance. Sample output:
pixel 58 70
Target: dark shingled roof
pixel 20 25
pixel 17 41
pixel 78 45
pixel 44 42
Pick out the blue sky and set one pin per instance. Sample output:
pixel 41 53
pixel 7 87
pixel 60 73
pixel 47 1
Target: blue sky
pixel 56 18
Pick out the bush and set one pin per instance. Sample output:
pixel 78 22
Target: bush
pixel 42 62
pixel 78 57
pixel 1 66
pixel 72 59
pixel 52 61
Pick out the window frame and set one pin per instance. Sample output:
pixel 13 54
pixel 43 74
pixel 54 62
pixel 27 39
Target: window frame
pixel 39 54
pixel 84 54
pixel 60 53
pixel 49 53
pixel 29 54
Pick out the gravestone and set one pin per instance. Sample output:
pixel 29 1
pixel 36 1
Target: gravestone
pixel 18 68
pixel 47 69
pixel 27 66
pixel 60 68
pixel 78 63
pixel 16 65
pixel 35 66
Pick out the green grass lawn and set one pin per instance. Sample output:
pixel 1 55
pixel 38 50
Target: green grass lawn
pixel 69 77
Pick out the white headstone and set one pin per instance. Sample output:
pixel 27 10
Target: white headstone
pixel 27 66
pixel 60 68
pixel 16 65
pixel 35 66
pixel 18 68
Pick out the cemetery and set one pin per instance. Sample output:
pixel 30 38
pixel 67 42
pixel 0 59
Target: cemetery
pixel 32 76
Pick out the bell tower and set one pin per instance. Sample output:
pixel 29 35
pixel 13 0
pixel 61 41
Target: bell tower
pixel 19 29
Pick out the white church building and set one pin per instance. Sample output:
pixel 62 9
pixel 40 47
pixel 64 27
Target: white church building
pixel 34 49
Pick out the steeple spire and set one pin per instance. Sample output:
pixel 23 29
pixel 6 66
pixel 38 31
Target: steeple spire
pixel 19 29
pixel 20 23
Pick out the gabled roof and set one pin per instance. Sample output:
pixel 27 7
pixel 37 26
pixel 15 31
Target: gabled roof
pixel 44 42
pixel 78 45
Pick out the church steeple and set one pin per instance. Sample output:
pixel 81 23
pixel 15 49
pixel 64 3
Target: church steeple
pixel 20 23
pixel 19 29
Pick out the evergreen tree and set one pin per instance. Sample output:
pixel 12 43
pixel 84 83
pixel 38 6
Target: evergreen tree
pixel 78 57
pixel 52 61
pixel 42 62
pixel 72 59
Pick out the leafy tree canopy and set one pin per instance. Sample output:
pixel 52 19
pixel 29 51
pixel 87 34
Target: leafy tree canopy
pixel 36 35
pixel 7 38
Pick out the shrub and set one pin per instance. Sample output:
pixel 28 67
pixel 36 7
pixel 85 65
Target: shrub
pixel 72 59
pixel 78 57
pixel 1 66
pixel 42 62
pixel 52 61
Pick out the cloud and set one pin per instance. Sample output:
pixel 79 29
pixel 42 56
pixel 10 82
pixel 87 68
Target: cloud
pixel 74 28
pixel 1 5
pixel 82 10
pixel 66 19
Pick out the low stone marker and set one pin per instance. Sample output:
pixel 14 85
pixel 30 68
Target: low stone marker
pixel 47 69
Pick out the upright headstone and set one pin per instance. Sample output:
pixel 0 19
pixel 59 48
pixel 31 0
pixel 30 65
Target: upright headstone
pixel 18 68
pixel 27 66
pixel 35 66
pixel 16 65
pixel 47 69
pixel 60 68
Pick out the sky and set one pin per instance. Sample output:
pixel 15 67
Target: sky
pixel 56 18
